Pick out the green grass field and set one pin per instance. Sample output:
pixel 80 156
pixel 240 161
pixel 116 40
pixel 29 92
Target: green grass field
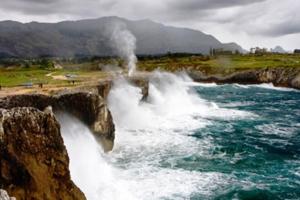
pixel 20 76
pixel 87 71
pixel 222 64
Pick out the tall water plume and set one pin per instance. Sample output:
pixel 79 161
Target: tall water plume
pixel 124 43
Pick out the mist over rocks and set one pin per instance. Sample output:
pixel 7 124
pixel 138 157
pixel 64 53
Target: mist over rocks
pixel 33 159
pixel 104 87
pixel 124 43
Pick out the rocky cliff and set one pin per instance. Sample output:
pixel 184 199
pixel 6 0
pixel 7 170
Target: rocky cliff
pixel 283 77
pixel 33 159
pixel 88 107
pixel 93 111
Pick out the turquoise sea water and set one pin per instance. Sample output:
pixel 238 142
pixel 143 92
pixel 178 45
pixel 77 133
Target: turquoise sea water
pixel 261 153
pixel 204 141
pixel 192 141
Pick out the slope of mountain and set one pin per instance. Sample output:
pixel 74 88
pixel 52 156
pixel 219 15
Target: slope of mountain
pixel 92 37
pixel 278 49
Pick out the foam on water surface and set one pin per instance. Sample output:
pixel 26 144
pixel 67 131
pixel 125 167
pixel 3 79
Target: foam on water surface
pixel 175 145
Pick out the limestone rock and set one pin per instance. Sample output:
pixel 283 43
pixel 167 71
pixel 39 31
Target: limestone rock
pixel 104 88
pixel 89 107
pixel 93 111
pixel 33 159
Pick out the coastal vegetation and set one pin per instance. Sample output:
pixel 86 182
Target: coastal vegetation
pixel 67 72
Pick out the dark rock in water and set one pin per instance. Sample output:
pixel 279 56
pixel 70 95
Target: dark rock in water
pixel 33 159
pixel 284 77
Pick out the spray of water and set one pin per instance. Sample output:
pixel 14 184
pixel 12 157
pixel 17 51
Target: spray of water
pixel 151 137
pixel 170 99
pixel 124 43
pixel 89 169
pixel 154 134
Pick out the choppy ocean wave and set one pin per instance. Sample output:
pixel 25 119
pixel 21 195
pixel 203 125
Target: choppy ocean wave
pixel 191 141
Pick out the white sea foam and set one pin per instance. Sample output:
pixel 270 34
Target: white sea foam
pixel 151 137
pixel 269 86
pixel 157 131
pixel 277 129
pixel 202 84
pixel 89 170
pixel 237 104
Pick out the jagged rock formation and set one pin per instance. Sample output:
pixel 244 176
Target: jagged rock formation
pixel 33 159
pixel 284 77
pixel 93 111
pixel 104 87
pixel 88 107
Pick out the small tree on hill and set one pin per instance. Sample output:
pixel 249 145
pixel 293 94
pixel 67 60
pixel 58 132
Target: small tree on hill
pixel 27 65
pixel 46 64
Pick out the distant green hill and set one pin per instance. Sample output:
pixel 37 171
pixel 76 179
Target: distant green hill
pixel 91 38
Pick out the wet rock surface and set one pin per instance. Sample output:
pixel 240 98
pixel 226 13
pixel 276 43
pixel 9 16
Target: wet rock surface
pixel 33 159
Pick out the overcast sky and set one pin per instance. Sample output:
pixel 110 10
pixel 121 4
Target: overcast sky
pixel 248 22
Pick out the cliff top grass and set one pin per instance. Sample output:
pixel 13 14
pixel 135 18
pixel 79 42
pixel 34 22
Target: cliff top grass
pixel 221 64
pixel 88 70
pixel 20 76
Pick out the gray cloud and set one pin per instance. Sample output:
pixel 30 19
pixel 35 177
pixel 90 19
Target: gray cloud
pixel 209 4
pixel 67 7
pixel 245 21
pixel 288 27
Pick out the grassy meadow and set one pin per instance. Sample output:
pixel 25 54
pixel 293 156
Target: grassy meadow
pixel 88 71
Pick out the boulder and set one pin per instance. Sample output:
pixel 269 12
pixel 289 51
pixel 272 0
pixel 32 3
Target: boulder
pixel 34 163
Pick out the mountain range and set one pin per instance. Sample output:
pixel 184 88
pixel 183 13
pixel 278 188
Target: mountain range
pixel 278 49
pixel 91 37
